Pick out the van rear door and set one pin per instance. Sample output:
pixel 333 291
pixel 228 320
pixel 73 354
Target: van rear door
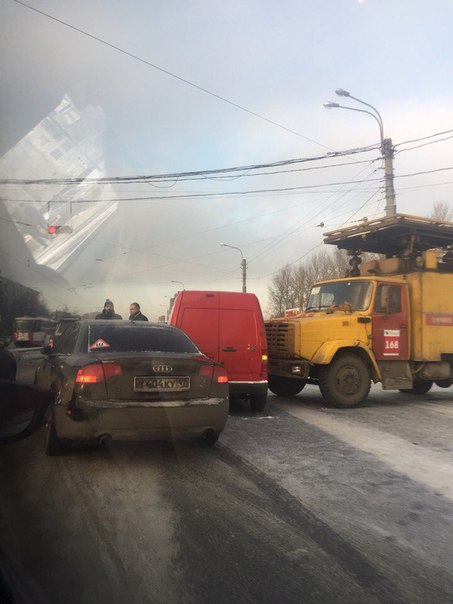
pixel 239 346
pixel 202 326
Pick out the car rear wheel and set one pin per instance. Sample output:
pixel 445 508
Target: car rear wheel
pixel 345 382
pixel 418 387
pixel 54 445
pixel 258 402
pixel 282 386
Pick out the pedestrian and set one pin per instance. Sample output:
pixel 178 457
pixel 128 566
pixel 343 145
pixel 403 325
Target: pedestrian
pixel 136 314
pixel 108 312
pixel 8 364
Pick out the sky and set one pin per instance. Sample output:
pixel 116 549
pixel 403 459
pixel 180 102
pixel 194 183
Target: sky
pixel 208 85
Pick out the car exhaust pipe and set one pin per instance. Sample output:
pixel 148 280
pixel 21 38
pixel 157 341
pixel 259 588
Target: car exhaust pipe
pixel 209 437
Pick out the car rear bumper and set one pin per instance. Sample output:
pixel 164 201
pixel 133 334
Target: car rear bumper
pixel 248 388
pixel 132 420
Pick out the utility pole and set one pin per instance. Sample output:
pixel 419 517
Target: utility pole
pixel 243 265
pixel 390 201
pixel 244 274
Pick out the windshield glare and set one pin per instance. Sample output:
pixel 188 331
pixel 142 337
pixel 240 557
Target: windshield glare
pixel 355 293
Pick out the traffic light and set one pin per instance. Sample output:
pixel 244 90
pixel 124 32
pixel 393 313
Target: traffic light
pixel 56 230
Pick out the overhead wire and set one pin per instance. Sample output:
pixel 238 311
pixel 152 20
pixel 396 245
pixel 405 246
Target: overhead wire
pixel 416 140
pixel 144 178
pixel 293 232
pixel 286 236
pixel 208 195
pixel 440 140
pixel 318 244
pixel 221 172
pixel 236 193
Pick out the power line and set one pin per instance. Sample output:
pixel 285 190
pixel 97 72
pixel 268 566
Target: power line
pixel 209 195
pixel 423 172
pixel 319 244
pixel 416 140
pixel 169 73
pixel 214 178
pixel 440 140
pixel 224 194
pixel 433 184
pixel 181 175
pixel 294 231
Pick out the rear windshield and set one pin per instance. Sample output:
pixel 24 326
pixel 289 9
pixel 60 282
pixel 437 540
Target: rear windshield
pixel 137 338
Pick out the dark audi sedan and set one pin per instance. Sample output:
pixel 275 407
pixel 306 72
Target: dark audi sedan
pixel 130 381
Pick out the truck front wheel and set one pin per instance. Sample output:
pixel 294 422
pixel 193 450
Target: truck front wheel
pixel 345 382
pixel 282 386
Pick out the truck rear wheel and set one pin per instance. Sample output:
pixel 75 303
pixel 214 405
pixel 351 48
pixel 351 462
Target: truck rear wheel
pixel 345 382
pixel 443 383
pixel 282 386
pixel 418 387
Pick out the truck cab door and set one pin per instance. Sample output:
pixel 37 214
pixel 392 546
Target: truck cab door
pixel 391 322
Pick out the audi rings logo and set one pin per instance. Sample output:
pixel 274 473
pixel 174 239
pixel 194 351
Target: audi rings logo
pixel 162 368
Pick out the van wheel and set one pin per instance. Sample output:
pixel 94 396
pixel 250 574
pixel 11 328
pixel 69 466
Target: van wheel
pixel 419 387
pixel 345 382
pixel 53 444
pixel 258 402
pixel 282 386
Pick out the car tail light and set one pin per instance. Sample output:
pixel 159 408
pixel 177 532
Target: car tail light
pixel 220 376
pixel 95 373
pixel 111 369
pixel 217 374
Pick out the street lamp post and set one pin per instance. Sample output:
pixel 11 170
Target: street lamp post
pixel 386 147
pixel 243 266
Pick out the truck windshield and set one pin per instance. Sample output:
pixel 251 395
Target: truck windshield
pixel 355 293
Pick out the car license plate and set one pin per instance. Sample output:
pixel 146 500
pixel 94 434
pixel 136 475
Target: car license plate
pixel 161 384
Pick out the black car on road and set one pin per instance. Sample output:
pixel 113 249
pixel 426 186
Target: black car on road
pixel 130 381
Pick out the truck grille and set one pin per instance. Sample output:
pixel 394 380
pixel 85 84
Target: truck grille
pixel 281 338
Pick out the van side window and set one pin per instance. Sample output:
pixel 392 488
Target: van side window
pixel 388 299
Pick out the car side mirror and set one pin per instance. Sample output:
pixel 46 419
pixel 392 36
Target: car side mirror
pixel 23 408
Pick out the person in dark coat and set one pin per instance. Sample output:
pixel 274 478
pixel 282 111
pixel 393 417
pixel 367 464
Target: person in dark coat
pixel 8 364
pixel 136 314
pixel 108 312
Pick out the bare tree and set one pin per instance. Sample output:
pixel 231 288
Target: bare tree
pixel 442 210
pixel 280 292
pixel 291 286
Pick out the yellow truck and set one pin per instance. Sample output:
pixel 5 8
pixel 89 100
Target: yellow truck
pixel 389 321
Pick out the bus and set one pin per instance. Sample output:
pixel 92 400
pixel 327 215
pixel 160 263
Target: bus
pixel 32 331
